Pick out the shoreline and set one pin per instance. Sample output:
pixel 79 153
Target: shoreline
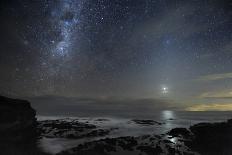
pixel 21 132
pixel 178 140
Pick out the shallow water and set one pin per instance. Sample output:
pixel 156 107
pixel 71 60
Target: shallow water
pixel 126 127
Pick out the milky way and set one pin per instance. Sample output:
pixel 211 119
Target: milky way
pixel 171 50
pixel 66 16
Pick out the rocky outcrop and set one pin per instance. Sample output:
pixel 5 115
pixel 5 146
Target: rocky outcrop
pixel 17 120
pixel 70 129
pixel 18 128
pixel 146 122
pixel 207 138
pixel 180 132
pixel 147 145
pixel 212 138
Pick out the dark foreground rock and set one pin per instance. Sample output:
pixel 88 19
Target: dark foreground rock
pixel 17 128
pixel 207 138
pixel 212 138
pixel 17 120
pixel 180 132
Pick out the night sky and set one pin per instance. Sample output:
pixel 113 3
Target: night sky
pixel 173 50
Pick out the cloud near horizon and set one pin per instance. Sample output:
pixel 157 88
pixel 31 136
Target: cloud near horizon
pixel 213 77
pixel 226 94
pixel 211 107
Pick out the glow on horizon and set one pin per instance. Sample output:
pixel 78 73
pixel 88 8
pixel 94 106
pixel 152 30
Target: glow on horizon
pixel 211 107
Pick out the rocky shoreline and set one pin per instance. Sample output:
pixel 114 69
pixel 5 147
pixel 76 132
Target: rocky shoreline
pixel 18 128
pixel 20 132
pixel 72 129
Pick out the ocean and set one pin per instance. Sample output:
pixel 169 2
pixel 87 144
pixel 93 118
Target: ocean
pixel 127 127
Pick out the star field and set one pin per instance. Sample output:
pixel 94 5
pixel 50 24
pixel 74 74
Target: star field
pixel 123 48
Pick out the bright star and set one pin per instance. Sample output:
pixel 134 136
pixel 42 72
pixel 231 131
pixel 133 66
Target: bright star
pixel 164 90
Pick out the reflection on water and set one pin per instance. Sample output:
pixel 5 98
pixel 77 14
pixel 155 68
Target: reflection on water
pixel 126 127
pixel 169 117
pixel 174 140
pixel 167 114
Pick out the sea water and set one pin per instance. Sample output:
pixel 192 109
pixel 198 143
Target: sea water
pixel 126 127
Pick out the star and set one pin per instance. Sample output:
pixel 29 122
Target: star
pixel 164 90
pixel 86 48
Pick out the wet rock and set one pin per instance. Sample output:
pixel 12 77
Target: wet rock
pixel 105 146
pixel 149 150
pixel 180 132
pixel 148 145
pixel 101 120
pixel 167 141
pixel 171 150
pixel 73 129
pixel 98 132
pixel 146 122
pixel 127 143
pixel 212 138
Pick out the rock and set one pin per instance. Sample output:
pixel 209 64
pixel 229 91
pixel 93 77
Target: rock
pixel 73 129
pixel 18 128
pixel 206 138
pixel 101 120
pixel 212 138
pixel 17 120
pixel 146 144
pixel 167 141
pixel 149 150
pixel 180 132
pixel 146 122
pixel 229 122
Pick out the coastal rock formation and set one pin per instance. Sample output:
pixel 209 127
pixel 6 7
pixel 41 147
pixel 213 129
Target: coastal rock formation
pixel 207 138
pixel 71 129
pixel 17 128
pixel 180 132
pixel 202 138
pixel 17 120
pixel 20 131
pixel 212 138
pixel 146 122
pixel 147 145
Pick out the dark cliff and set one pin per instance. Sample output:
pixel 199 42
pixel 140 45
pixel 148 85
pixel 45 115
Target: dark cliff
pixel 18 128
pixel 17 120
